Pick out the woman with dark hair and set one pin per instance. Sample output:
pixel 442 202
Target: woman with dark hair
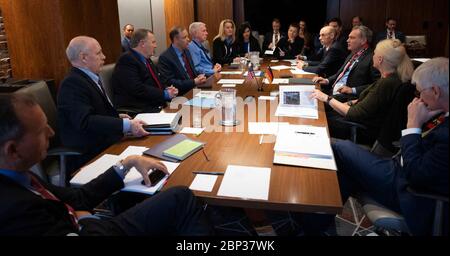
pixel 246 42
pixel 308 46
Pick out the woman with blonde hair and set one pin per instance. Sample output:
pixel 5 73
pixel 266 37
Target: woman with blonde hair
pixel 373 104
pixel 224 50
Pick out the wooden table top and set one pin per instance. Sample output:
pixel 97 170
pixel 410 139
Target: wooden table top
pixel 299 189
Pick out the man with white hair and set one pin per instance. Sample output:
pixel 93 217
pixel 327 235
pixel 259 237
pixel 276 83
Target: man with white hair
pixel 87 119
pixel 422 163
pixel 200 55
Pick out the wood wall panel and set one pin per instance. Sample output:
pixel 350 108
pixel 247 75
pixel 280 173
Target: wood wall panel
pixel 39 31
pixel 178 12
pixel 373 13
pixel 212 12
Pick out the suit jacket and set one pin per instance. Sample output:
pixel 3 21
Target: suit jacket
pixel 125 44
pixel 425 166
pixel 291 50
pixel 134 86
pixel 268 39
pixel 223 53
pixel 254 47
pixel 86 120
pixel 172 71
pixel 361 75
pixel 330 61
pixel 25 213
pixel 383 35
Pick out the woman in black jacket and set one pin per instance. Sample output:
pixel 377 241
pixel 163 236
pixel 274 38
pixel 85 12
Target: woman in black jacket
pixel 223 44
pixel 246 42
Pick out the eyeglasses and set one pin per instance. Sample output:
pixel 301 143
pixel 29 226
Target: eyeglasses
pixel 417 93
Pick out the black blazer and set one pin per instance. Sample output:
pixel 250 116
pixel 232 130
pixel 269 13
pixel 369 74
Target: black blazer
pixel 87 121
pixel 223 53
pixel 425 166
pixel 362 74
pixel 291 50
pixel 330 61
pixel 173 73
pixel 268 39
pixel 254 47
pixel 25 213
pixel 134 87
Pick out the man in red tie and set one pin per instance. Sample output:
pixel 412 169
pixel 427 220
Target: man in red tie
pixel 137 83
pixel 30 206
pixel 176 64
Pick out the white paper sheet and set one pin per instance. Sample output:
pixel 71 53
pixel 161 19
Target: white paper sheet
pixel 203 182
pixel 207 94
pixel 295 102
pixel 303 112
pixel 281 67
pixel 265 127
pixel 157 118
pixel 231 81
pixel 245 182
pixel 298 71
pixel 228 85
pixel 231 72
pixel 277 81
pixel 268 52
pixel 132 150
pixel 274 61
pixel 190 130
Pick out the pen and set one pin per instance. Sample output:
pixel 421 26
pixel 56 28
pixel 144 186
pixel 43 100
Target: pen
pixel 208 173
pixel 309 133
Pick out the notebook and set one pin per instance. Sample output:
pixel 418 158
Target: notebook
pixel 160 123
pixel 183 149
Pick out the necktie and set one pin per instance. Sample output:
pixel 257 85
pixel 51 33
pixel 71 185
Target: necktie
pixel 44 193
pixel 390 35
pixel 187 65
pixel 433 123
pixel 103 91
pixel 155 78
pixel 277 38
pixel 349 64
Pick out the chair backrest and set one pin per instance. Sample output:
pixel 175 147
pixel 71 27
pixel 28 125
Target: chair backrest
pixel 106 75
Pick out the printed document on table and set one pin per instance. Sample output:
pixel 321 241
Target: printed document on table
pixel 230 72
pixel 265 127
pixel 280 67
pixel 245 182
pixel 277 81
pixel 298 71
pixel 132 150
pixel 203 182
pixel 157 118
pixel 231 81
pixel 295 101
pixel 207 94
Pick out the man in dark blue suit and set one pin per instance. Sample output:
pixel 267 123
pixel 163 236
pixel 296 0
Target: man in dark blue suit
pixel 422 163
pixel 390 32
pixel 33 207
pixel 176 65
pixel 87 119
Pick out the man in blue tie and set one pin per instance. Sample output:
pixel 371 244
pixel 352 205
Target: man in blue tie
pixel 200 55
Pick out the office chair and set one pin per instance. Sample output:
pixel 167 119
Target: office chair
pixel 41 93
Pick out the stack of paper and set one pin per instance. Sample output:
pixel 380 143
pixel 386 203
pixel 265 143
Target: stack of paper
pixel 295 101
pixel 303 145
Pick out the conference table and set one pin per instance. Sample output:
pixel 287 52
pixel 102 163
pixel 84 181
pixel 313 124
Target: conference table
pixel 292 188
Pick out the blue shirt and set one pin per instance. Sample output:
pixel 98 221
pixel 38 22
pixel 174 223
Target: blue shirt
pixel 180 56
pixel 94 77
pixel 202 61
pixel 144 60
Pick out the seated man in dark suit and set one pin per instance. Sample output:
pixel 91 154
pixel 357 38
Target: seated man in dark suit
pixel 331 56
pixel 32 207
pixel 87 119
pixel 271 39
pixel 136 82
pixel 176 63
pixel 422 163
pixel 390 32
pixel 357 72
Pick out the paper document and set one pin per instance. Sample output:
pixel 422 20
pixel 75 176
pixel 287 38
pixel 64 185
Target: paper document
pixel 203 182
pixel 132 181
pixel 207 94
pixel 298 71
pixel 277 81
pixel 190 130
pixel 231 81
pixel 132 150
pixel 265 127
pixel 268 52
pixel 228 85
pixel 274 61
pixel 281 67
pixel 267 98
pixel 231 72
pixel 158 118
pixel 293 62
pixel 295 101
pixel 245 182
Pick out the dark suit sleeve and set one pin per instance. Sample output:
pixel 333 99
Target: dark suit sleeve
pixel 75 102
pixel 91 194
pixel 267 41
pixel 332 57
pixel 169 76
pixel 127 74
pixel 426 168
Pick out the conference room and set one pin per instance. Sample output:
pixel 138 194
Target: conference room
pixel 224 118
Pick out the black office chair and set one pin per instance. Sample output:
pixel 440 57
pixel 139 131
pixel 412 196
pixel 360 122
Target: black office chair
pixel 41 93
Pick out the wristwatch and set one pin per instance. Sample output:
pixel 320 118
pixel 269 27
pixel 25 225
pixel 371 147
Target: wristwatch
pixel 329 98
pixel 121 169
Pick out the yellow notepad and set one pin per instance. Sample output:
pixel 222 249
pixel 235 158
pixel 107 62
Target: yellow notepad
pixel 183 149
